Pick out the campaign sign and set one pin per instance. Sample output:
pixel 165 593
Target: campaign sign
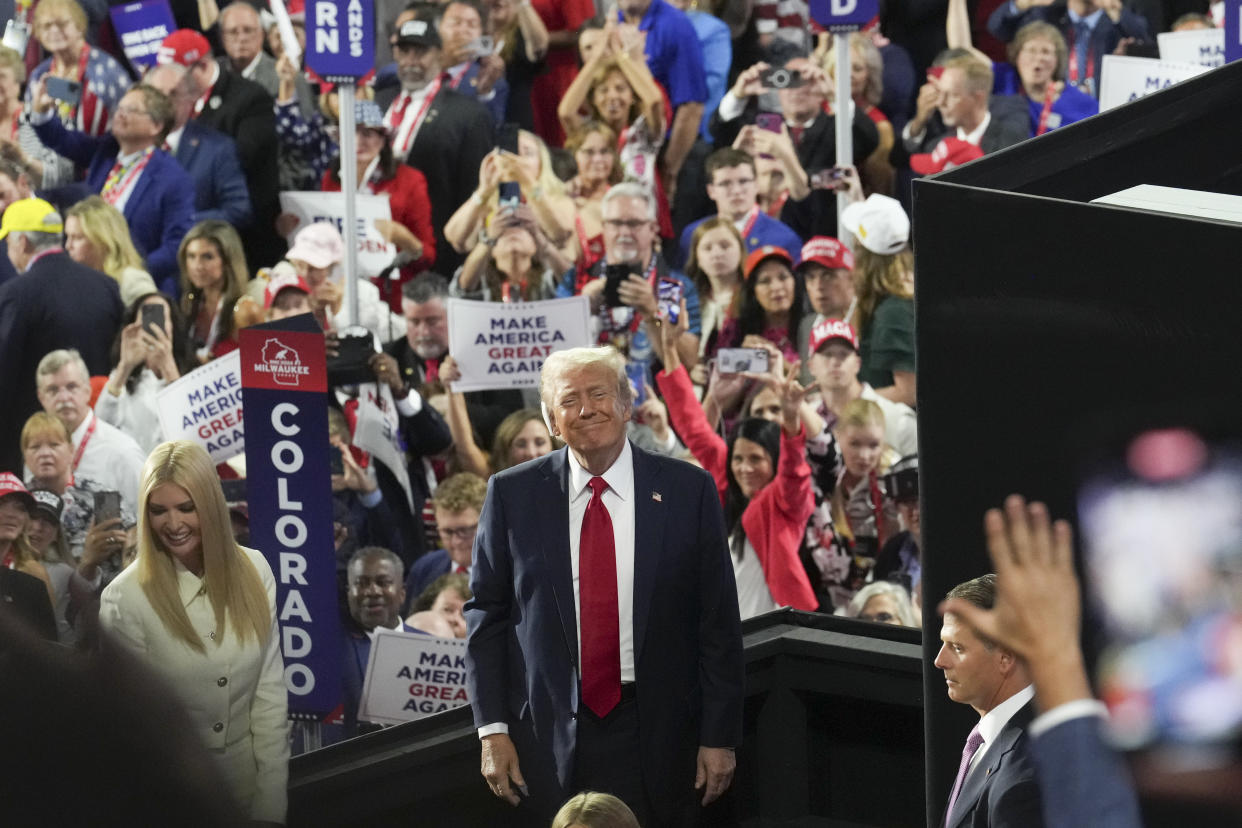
pixel 205 406
pixel 141 28
pixel 374 254
pixel 340 39
pixel 410 676
pixel 1124 78
pixel 1205 47
pixel 284 378
pixel 503 345
pixel 1233 30
pixel 844 15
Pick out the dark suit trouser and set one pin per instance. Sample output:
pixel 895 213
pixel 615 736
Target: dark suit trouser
pixel 606 757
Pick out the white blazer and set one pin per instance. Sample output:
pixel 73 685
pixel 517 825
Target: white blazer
pixel 235 694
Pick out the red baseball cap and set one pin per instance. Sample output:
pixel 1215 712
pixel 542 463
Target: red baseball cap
pixel 768 251
pixel 829 252
pixel 830 329
pixel 185 47
pixel 281 282
pixel 949 153
pixel 11 484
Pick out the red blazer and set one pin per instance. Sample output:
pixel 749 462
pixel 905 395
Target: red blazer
pixel 775 519
pixel 407 196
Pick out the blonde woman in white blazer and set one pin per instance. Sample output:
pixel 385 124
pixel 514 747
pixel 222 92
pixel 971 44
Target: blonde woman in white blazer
pixel 201 611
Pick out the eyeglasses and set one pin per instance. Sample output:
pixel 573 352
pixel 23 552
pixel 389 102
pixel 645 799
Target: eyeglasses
pixel 130 110
pixel 462 533
pixel 628 224
pixel 63 25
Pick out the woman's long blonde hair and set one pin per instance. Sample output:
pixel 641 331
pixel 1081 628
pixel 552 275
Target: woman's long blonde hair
pixel 106 228
pixel 232 583
pixel 877 275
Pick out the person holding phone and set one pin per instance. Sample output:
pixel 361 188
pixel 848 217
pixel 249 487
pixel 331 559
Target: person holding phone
pixel 18 140
pixel 471 64
pixel 716 251
pixel 517 264
pixel 201 611
pixel 770 304
pixel 763 481
pixel 88 82
pixel 151 351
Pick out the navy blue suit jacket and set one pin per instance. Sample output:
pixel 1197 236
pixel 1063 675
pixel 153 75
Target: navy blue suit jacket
pixel 497 104
pixel 210 157
pixel 1083 779
pixel 159 211
pixel 423 573
pixel 1001 789
pixel 522 652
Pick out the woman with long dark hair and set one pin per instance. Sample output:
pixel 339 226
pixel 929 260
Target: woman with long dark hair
pixel 214 275
pixel 145 359
pixel 763 480
pixel 770 304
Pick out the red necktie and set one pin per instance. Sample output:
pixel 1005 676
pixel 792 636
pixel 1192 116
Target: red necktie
pixel 597 590
pixel 431 370
pixel 398 111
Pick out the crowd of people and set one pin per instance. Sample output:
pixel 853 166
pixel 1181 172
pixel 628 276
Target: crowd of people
pixel 674 161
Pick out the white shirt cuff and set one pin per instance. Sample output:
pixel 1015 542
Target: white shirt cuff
pixel 92 584
pixel 911 140
pixel 1062 713
pixel 731 107
pixel 411 405
pixel 371 499
pixel 493 729
pixel 38 118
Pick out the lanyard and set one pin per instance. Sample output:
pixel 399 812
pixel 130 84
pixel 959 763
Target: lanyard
pixel 506 291
pixel 1049 97
pixel 404 147
pixel 122 178
pixel 751 218
pixel 1074 70
pixel 86 438
pixel 456 77
pixel 67 110
pixel 10 560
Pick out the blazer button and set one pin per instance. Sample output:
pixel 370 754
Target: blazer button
pixel 220 682
pixel 218 726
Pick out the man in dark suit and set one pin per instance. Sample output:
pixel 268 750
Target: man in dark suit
pixel 210 157
pixel 604 650
pixel 811 133
pixel 129 170
pixel 458 501
pixel 53 303
pixel 441 132
pixel 995 782
pixel 1037 616
pixel 242 110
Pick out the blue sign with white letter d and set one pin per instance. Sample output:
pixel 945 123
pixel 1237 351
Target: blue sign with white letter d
pixel 844 15
pixel 1233 30
pixel 340 39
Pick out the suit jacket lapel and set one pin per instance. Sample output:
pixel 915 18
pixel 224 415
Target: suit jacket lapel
pixel 553 511
pixel 649 512
pixel 981 773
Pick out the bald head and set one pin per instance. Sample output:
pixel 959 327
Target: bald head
pixel 179 85
pixel 242 33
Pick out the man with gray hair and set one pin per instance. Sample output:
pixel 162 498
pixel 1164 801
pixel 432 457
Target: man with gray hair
pixel 102 453
pixel 604 648
pixel 53 302
pixel 629 317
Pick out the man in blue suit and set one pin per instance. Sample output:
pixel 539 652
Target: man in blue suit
pixel 209 156
pixel 995 782
pixel 604 650
pixel 458 501
pixel 1036 615
pixel 129 170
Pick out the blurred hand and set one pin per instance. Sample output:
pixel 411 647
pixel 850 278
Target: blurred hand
pixel 133 349
pixel 500 767
pixel 491 69
pixel 285 70
pixel 449 371
pixel 638 293
pixel 654 415
pixel 102 542
pixel 286 224
pixel 714 773
pixel 748 83
pixel 388 372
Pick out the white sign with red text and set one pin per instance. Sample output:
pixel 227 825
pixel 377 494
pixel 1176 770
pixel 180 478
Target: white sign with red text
pixel 374 254
pixel 206 406
pixel 410 675
pixel 504 344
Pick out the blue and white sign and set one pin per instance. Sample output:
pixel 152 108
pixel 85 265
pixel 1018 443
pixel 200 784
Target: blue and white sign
pixel 1205 47
pixel 1233 30
pixel 141 28
pixel 844 15
pixel 340 39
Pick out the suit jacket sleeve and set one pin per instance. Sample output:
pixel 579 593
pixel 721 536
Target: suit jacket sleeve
pixel 1083 780
pixel 721 670
pixel 230 196
pixel 476 139
pixel 177 212
pixel 78 147
pixel 426 433
pixel 488 613
pixel 269 724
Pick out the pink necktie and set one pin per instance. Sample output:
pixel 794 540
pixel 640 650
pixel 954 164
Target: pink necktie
pixel 973 742
pixel 597 590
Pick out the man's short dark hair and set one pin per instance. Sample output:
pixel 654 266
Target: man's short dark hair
pixel 726 158
pixel 368 552
pixel 980 591
pixel 425 288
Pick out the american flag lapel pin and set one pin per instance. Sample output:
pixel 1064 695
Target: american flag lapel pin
pixel 657 497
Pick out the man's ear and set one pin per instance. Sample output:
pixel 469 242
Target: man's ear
pixel 548 419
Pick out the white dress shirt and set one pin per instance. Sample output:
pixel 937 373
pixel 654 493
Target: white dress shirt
pixel 994 721
pixel 976 134
pixel 112 459
pixel 753 596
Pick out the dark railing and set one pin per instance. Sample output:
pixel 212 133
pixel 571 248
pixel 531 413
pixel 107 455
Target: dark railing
pixel 833 736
